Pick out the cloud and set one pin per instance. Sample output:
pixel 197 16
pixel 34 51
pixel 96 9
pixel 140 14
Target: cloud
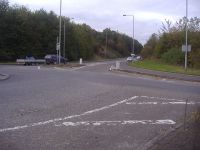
pixel 100 14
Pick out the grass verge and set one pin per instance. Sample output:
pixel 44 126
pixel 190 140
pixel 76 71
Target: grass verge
pixel 161 66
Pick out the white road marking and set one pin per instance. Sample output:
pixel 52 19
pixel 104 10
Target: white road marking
pixel 173 101
pixel 161 103
pixel 62 69
pixel 77 68
pixel 67 117
pixel 115 123
pixel 162 98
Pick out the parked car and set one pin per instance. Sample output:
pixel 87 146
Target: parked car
pixel 52 59
pixel 133 58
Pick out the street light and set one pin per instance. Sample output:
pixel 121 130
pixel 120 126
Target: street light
pixel 186 36
pixel 60 32
pixel 133 30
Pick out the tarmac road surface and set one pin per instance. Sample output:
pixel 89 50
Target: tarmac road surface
pixel 88 108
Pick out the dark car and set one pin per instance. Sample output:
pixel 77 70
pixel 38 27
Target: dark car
pixel 52 59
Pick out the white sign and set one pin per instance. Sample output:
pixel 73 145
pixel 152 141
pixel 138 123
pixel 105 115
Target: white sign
pixel 184 48
pixel 81 61
pixel 117 65
pixel 58 46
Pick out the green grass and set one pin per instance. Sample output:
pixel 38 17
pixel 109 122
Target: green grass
pixel 161 66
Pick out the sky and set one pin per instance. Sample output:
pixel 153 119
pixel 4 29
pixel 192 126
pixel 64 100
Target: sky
pixel 101 14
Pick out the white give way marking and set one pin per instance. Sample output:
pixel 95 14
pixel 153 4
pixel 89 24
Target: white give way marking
pixel 125 101
pixel 67 117
pixel 162 101
pixel 115 123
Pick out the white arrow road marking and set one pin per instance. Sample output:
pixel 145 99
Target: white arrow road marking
pixel 67 117
pixel 115 123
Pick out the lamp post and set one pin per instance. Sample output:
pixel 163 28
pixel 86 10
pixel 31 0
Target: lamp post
pixel 64 39
pixel 186 35
pixel 60 32
pixel 133 31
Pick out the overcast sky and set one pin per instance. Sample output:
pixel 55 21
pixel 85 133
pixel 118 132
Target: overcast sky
pixel 101 14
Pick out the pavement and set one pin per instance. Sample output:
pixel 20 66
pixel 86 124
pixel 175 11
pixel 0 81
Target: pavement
pixel 88 108
pixel 177 76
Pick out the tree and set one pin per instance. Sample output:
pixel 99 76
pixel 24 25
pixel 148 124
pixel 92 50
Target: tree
pixel 150 46
pixel 24 32
pixel 171 38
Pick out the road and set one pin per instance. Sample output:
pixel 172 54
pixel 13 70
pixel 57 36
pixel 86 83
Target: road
pixel 88 108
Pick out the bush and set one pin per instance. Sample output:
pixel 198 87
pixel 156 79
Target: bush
pixel 173 56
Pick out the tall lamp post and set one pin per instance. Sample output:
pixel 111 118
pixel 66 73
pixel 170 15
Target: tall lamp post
pixel 186 36
pixel 133 31
pixel 64 28
pixel 60 32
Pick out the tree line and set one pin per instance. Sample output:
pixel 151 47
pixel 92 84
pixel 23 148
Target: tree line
pixel 34 33
pixel 167 45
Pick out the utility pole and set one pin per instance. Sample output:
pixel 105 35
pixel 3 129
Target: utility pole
pixel 186 36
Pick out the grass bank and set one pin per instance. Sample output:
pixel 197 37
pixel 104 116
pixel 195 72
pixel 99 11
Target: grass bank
pixel 161 66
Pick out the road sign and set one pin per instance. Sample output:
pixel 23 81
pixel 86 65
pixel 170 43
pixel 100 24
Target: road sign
pixel 184 48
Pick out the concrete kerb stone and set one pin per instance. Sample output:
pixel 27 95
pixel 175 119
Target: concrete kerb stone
pixel 4 76
pixel 160 76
